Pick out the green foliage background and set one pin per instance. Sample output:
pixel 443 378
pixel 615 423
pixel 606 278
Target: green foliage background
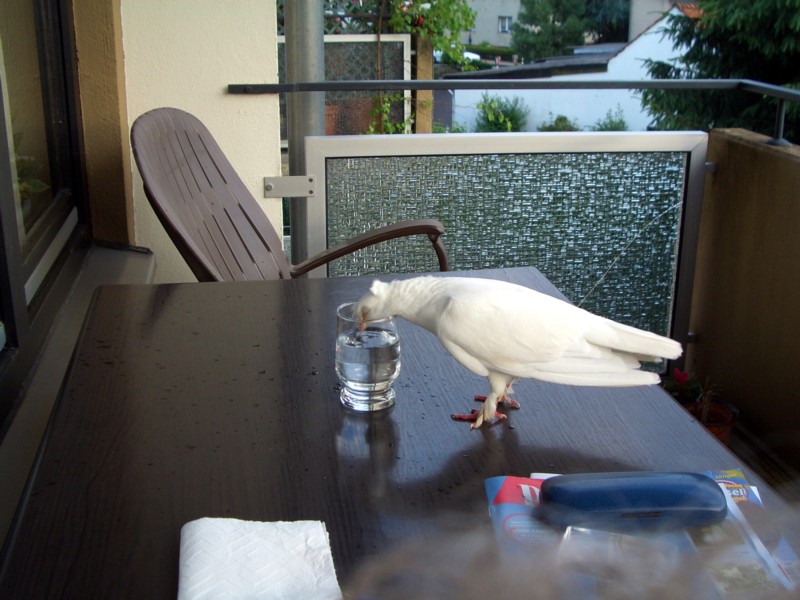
pixel 496 113
pixel 548 27
pixel 559 123
pixel 441 22
pixel 734 39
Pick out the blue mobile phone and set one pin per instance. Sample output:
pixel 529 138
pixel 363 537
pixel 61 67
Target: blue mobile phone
pixel 635 500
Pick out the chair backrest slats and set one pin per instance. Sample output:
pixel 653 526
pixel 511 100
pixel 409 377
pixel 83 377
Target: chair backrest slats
pixel 220 205
pixel 208 212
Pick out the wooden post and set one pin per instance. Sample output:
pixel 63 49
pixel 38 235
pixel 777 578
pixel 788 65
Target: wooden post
pixel 423 99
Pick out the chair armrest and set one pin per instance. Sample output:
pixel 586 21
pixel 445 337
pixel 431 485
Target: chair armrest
pixel 430 227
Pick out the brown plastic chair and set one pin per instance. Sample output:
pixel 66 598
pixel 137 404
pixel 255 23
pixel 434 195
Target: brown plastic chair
pixel 212 218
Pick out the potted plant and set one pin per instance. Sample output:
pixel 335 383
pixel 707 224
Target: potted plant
pixel 683 387
pixel 703 402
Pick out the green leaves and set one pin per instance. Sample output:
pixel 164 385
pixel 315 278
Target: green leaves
pixel 736 39
pixel 547 27
pixel 501 114
pixel 613 121
pixel 382 121
pixel 441 21
pixel 559 123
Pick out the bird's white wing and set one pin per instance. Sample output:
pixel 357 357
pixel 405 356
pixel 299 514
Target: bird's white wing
pixel 506 328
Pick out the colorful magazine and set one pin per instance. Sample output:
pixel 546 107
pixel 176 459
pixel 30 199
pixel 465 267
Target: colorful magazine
pixel 741 561
pixel 512 501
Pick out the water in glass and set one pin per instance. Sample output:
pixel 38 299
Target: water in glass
pixel 367 362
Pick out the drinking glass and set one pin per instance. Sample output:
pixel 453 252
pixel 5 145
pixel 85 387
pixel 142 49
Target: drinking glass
pixel 367 360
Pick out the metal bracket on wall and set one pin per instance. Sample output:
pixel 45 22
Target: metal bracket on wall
pixel 292 186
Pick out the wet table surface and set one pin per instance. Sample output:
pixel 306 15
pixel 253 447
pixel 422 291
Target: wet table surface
pixel 193 400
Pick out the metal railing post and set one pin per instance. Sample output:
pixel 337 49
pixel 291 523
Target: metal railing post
pixel 305 61
pixel 780 119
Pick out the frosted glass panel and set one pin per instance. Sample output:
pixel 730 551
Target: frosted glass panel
pixel 603 227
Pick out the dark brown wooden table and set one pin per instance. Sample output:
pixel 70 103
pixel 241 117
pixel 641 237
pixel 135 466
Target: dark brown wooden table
pixel 193 400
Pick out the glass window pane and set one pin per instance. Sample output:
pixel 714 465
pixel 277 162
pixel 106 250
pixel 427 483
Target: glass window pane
pixel 38 197
pixel 34 190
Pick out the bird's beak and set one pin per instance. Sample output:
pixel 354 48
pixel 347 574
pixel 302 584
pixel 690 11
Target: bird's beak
pixel 362 321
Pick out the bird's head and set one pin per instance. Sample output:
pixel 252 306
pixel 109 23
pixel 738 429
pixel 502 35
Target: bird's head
pixel 374 304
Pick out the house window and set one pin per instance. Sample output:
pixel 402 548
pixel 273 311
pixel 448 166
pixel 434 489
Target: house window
pixel 504 24
pixel 39 172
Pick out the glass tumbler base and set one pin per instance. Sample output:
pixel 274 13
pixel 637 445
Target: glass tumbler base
pixel 365 402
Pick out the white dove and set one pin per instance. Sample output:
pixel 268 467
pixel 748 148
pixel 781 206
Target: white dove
pixel 505 331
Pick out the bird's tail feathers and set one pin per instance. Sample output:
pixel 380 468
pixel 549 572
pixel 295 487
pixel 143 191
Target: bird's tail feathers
pixel 607 362
pixel 643 344
pixel 603 367
pixel 607 378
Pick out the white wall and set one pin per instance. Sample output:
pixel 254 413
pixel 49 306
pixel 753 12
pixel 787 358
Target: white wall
pixel 585 107
pixel 184 53
pixel 644 13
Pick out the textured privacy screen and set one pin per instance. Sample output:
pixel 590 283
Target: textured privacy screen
pixel 603 227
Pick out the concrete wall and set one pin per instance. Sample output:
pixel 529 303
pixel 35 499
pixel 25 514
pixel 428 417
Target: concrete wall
pixel 746 308
pixel 184 53
pixel 101 80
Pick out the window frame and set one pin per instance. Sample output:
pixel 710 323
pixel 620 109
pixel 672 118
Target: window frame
pixel 501 20
pixel 36 277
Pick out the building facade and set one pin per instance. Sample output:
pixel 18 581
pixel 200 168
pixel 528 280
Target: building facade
pixel 493 20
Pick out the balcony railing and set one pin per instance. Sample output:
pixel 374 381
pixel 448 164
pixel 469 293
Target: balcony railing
pixel 512 198
pixel 781 94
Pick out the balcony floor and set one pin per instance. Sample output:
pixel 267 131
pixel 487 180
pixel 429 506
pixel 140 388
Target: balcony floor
pixel 780 476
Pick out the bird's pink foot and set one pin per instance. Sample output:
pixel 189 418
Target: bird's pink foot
pixel 505 400
pixel 472 417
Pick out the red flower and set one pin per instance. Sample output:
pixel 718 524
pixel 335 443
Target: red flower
pixel 681 377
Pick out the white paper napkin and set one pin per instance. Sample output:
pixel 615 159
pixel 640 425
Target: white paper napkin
pixel 230 558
